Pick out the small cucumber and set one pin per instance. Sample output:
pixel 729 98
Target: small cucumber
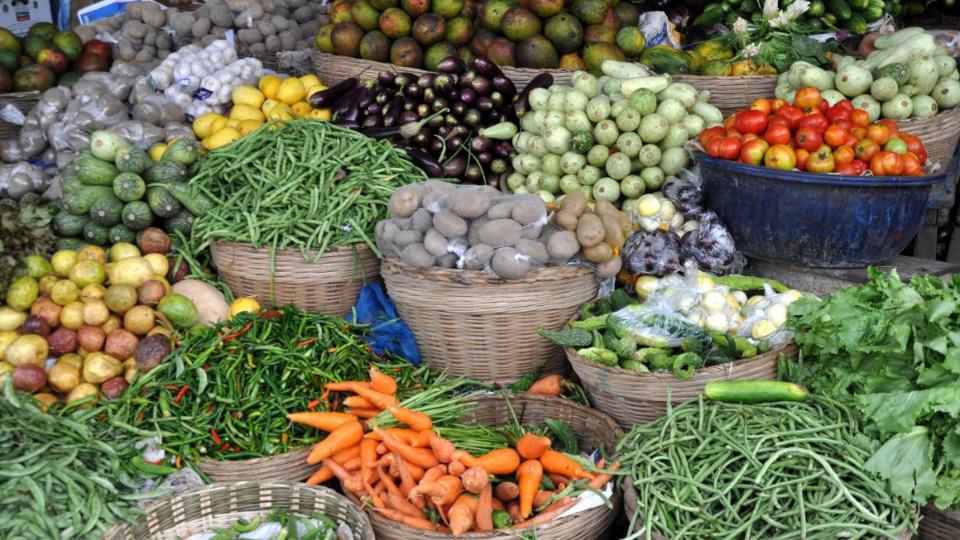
pixel 754 391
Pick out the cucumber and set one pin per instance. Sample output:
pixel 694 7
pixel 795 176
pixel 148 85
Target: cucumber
pixel 162 202
pixel 129 187
pixel 165 171
pixel 106 211
pixel 840 9
pixel 119 233
pixel 69 225
pixel 754 391
pixel 80 202
pixel 196 203
pixel 857 24
pixel 97 234
pixel 182 222
pixel 137 215
pixel 740 282
pixel 859 5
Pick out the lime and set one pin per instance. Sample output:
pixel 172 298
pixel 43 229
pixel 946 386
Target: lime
pixel 179 310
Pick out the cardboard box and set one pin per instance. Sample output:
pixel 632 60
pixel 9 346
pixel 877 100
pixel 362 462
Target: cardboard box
pixel 102 10
pixel 19 15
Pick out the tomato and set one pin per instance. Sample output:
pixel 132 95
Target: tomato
pixel 859 132
pixel 728 147
pixel 777 134
pixel 749 137
pixel 732 132
pixel 837 113
pixel 777 103
pixel 713 145
pixel 708 134
pixel 865 149
pixel 878 133
pixel 891 125
pixel 802 157
pixel 778 119
pixel 844 155
pixel 860 165
pixel 752 151
pixel 835 136
pixel 751 121
pixel 847 169
pixel 851 139
pixel 808 138
pixel 886 163
pixel 860 117
pixel 896 145
pixel 792 114
pixel 730 121
pixel 911 164
pixel 815 120
pixel 780 156
pixel 821 161
pixel 807 99
pixel 763 105
pixel 847 125
pixel 916 146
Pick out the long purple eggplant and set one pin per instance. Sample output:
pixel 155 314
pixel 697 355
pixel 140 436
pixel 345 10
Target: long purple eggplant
pixel 543 80
pixel 325 98
pixel 425 161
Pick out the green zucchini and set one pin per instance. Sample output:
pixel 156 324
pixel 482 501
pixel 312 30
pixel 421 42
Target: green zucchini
pixel 80 202
pixel 181 151
pixel 162 202
pixel 137 215
pixel 754 391
pixel 182 222
pixel 107 211
pixel 94 233
pixel 568 337
pixel 69 225
pixel 129 186
pixel 120 233
pixel 132 160
pixel 858 5
pixel 740 282
pixel 196 203
pixel 165 171
pixel 92 171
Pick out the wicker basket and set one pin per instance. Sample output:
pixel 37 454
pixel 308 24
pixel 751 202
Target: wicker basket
pixel 330 285
pixel 939 524
pixel 939 134
pixel 289 466
pixel 730 94
pixel 637 398
pixel 220 505
pixel 593 429
pixel 295 63
pixel 472 325
pixel 25 101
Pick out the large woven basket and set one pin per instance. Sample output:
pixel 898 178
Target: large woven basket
pixel 25 101
pixel 330 285
pixel 289 466
pixel 730 94
pixel 637 398
pixel 939 133
pixel 593 430
pixel 220 505
pixel 939 524
pixel 472 325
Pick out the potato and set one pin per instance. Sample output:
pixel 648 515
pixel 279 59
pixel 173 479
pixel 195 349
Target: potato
pixel 64 377
pixel 152 350
pixel 422 220
pixel 448 261
pixel 135 29
pixel 599 253
pixel 562 245
pixel 449 224
pixel 99 367
pixel 200 28
pixel 83 391
pixel 120 344
pixel 27 349
pixel 473 233
pixel 537 251
pixel 566 219
pixel 613 233
pixel 404 238
pixel 404 202
pixel 221 16
pixel 590 230
pixel 610 268
pixel 288 41
pixel 62 341
pixel 113 388
pixel 604 208
pixel 530 210
pixel 500 233
pixel 417 255
pixel 502 209
pixel 266 28
pixel 139 320
pixel 477 257
pixel 435 243
pixel 211 305
pixel 29 378
pixel 471 201
pixel 508 263
pixel 575 203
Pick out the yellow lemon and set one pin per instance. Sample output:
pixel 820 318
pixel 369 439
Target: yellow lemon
pixel 246 112
pixel 301 108
pixel 157 150
pixel 218 124
pixel 323 115
pixel 247 95
pixel 244 304
pixel 201 126
pixel 269 85
pixel 280 111
pixel 310 80
pixel 232 123
pixel 249 126
pixel 267 105
pixel 291 91
pixel 222 138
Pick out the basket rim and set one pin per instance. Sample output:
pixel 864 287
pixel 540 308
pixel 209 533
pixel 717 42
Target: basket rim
pixel 479 277
pixel 336 248
pixel 244 464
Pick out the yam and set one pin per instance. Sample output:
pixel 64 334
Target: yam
pixel 533 249
pixel 566 219
pixel 200 28
pixel 574 202
pixel 589 230
pixel 562 245
pixel 530 210
pixel 404 202
pixel 500 233
pixel 508 263
pixel 280 23
pixel 435 243
pixel 404 238
pixel 416 255
pixel 448 261
pixel 449 224
pixel 502 209
pixel 272 43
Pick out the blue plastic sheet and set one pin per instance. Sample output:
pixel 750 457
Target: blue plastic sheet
pixel 388 333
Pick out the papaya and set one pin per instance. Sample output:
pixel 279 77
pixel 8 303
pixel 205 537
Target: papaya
pixel 663 59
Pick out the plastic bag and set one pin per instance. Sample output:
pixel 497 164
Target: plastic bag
pixel 655 325
pixel 658 30
pixel 140 134
pixel 127 69
pixel 32 142
pixel 10 151
pixel 388 333
pixel 118 85
pixel 712 247
pixel 656 253
pixel 765 316
pixel 18 179
pixel 176 130
pixel 696 296
pixel 685 195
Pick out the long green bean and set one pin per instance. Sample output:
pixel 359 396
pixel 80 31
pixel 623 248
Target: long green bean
pixel 783 470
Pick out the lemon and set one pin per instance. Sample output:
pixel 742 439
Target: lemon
pixel 222 138
pixel 323 115
pixel 291 91
pixel 310 80
pixel 280 111
pixel 247 95
pixel 201 126
pixel 246 112
pixel 269 85
pixel 231 123
pixel 157 150
pixel 249 126
pixel 217 125
pixel 301 108
pixel 268 104
pixel 244 304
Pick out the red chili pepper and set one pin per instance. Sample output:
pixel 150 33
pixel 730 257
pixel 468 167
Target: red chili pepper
pixel 313 404
pixel 216 436
pixel 246 328
pixel 272 314
pixel 180 394
pixel 306 342
pixel 173 387
pixel 237 449
pixel 225 447
pixel 139 418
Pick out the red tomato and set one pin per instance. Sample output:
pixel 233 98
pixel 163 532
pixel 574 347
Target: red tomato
pixel 916 146
pixel 778 119
pixel 807 99
pixel 886 163
pixel 891 125
pixel 847 125
pixel 866 149
pixel 847 169
pixel 780 156
pixel 751 121
pixel 777 134
pixel 821 161
pixel 730 121
pixel 808 138
pixel 802 157
pixel 844 155
pixel 792 114
pixel 749 137
pixel 763 105
pixel 859 132
pixel 896 145
pixel 728 147
pixel 752 151
pixel 815 120
pixel 878 133
pixel 851 139
pixel 708 134
pixel 777 104
pixel 860 165
pixel 824 106
pixel 835 135
pixel 837 113
pixel 860 117
pixel 713 145
pixel 911 164
pixel 732 132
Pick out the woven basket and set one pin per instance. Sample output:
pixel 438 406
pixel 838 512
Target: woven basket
pixel 939 524
pixel 295 63
pixel 289 466
pixel 637 398
pixel 939 133
pixel 472 325
pixel 25 101
pixel 330 285
pixel 220 505
pixel 730 94
pixel 593 430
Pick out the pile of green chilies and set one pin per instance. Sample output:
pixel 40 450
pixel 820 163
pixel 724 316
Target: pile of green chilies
pixel 64 473
pixel 299 184
pixel 774 472
pixel 224 393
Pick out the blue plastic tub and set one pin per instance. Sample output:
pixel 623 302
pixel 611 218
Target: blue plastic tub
pixel 816 220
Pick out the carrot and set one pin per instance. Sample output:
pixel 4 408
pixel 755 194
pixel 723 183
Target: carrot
pixel 507 491
pixel 357 402
pixel 387 482
pixel 528 479
pixel 346 454
pixel 542 498
pixel 416 472
pixel 324 421
pixel 548 513
pixel 442 492
pixel 408 436
pixel 397 502
pixel 513 508
pixel 322 475
pixel 456 468
pixel 382 383
pixel 379 399
pixel 604 477
pixel 485 509
pixel 558 463
pixel 374 495
pixel 417 420
pixel 442 448
pixel 382 449
pixel 551 385
pixel 345 436
pixel 497 462
pixel 463 514
pixel 410 521
pixel 434 473
pixel 559 480
pixel 407 483
pixel 368 459
pixel 353 465
pixel 532 446
pixel 345 386
pixel 423 439
pixel 365 414
pixel 350 482
pixel 421 457
pixel 475 479
pixel 496 503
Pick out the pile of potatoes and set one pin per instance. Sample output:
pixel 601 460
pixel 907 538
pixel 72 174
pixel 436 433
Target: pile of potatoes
pixel 600 230
pixel 141 33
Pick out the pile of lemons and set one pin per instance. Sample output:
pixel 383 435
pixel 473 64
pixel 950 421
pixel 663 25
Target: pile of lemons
pixel 273 99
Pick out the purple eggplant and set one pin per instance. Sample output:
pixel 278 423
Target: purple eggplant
pixel 426 80
pixel 325 98
pixel 482 86
pixel 454 167
pixel 444 84
pixel 485 67
pixel 387 78
pixel 473 174
pixel 485 104
pixel 435 147
pixel 403 79
pixel 422 139
pixel 451 120
pixel 467 78
pixel 468 96
pixel 439 104
pixel 426 162
pixel 412 91
pixel 543 80
pixel 370 122
pixel 503 149
pixel 408 116
pixel 497 99
pixel 451 64
pixel 504 85
pixel 454 144
pixel 429 94
pixel 480 144
pixel 436 122
pixel 458 108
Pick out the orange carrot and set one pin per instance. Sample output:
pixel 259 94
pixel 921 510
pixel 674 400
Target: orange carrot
pixel 442 492
pixel 513 508
pixel 421 457
pixel 423 439
pixel 410 521
pixel 496 503
pixel 497 462
pixel 463 514
pixel 507 491
pixel 322 475
pixel 408 436
pixel 387 482
pixel 345 436
pixel 558 463
pixel 397 502
pixel 350 482
pixel 382 449
pixel 382 383
pixel 532 446
pixel 528 479
pixel 407 483
pixel 551 385
pixel 559 480
pixel 542 498
pixel 357 402
pixel 442 448
pixel 324 421
pixel 548 513
pixel 485 509
pixel 429 477
pixel 368 459
pixel 365 414
pixel 456 468
pixel 379 399
pixel 417 420
pixel 346 454
pixel 415 472
pixel 353 465
pixel 346 386
pixel 475 479
pixel 604 477
pixel 374 495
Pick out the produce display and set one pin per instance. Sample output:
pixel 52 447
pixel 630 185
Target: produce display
pixel 817 16
pixel 275 523
pixel 26 229
pixel 814 135
pixel 114 191
pixel 47 56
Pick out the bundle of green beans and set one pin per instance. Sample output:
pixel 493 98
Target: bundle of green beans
pixel 301 185
pixel 63 473
pixel 224 393
pixel 775 472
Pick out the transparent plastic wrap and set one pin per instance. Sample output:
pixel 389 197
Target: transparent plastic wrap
pixel 141 90
pixel 141 134
pixel 656 325
pixel 685 194
pixel 712 246
pixel 118 85
pixel 766 314
pixel 654 212
pixel 654 253
pixel 127 69
pixel 697 297
pixel 18 179
pixel 99 111
pixel 176 130
pixel 162 75
pixel 33 141
pixel 10 151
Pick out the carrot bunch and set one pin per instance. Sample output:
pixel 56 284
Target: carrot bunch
pixel 414 476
